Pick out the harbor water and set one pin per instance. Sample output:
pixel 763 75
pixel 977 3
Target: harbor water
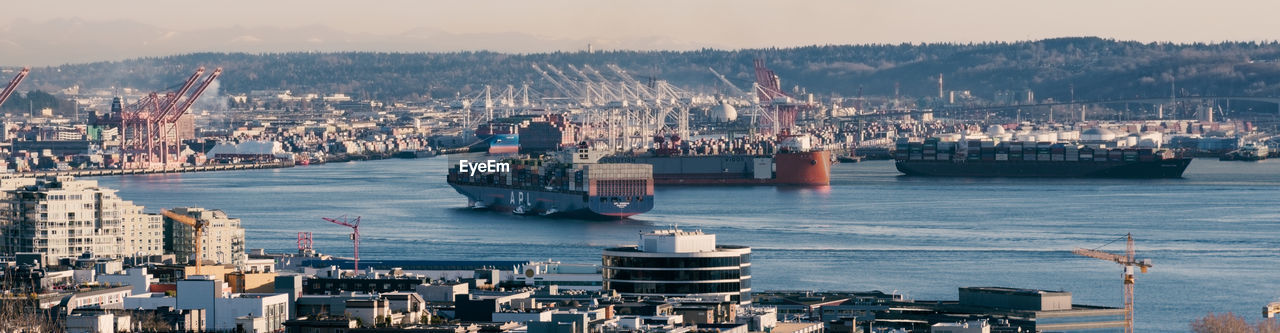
pixel 1213 236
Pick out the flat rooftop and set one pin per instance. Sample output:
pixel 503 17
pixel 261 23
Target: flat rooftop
pixel 418 265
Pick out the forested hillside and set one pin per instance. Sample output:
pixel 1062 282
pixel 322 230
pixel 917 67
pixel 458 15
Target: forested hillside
pixel 1098 68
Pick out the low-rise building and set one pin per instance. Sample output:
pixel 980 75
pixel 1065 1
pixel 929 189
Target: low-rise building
pixel 136 278
pixel 100 322
pixel 564 276
pixel 223 310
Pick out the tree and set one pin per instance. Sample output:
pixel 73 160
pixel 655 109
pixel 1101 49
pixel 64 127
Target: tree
pixel 148 321
pixel 1221 323
pixel 1271 325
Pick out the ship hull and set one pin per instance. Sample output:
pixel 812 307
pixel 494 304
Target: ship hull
pixel 553 203
pixel 811 168
pixel 1167 168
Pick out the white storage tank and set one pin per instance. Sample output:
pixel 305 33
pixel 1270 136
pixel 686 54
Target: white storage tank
pixel 1069 136
pixel 1151 140
pixel 1097 134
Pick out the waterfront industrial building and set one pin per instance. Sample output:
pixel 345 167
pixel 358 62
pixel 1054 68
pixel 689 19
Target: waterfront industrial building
pixel 676 263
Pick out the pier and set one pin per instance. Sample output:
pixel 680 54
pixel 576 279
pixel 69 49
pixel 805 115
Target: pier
pixel 118 172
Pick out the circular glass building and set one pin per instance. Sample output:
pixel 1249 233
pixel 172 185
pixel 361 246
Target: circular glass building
pixel 675 263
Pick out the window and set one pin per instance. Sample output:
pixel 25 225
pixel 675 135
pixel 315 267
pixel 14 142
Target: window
pixel 674 288
pixel 623 262
pixel 639 275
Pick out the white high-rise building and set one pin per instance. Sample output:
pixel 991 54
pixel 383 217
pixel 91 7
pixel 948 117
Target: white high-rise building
pixel 64 217
pixel 143 233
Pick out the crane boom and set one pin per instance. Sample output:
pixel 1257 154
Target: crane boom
pixel 732 87
pixel 1116 258
pixel 190 221
pixel 583 91
pixel 169 104
pixel 586 82
pixel 619 93
pixel 194 96
pixel 564 90
pixel 631 80
pixel 13 84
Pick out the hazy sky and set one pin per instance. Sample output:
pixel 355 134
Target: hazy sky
pixel 37 33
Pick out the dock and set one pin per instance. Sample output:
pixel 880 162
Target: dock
pixel 141 171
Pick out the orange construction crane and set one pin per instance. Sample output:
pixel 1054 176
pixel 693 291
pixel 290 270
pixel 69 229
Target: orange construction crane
pixel 13 84
pixel 196 224
pixel 355 234
pixel 1128 262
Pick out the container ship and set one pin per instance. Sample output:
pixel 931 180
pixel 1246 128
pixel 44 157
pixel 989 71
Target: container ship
pixel 571 184
pixel 504 144
pixel 528 133
pixel 791 162
pixel 1250 152
pixel 985 158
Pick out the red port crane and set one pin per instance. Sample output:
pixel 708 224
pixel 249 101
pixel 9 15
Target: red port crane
pixel 149 126
pixel 355 234
pixel 1127 261
pixel 13 84
pixel 785 107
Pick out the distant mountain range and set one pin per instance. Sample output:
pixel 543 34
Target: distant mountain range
pixel 1097 68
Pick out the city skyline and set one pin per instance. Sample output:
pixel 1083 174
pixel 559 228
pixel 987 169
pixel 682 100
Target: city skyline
pixel 37 34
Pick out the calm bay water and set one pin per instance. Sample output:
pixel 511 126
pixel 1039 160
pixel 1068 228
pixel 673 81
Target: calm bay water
pixel 1214 236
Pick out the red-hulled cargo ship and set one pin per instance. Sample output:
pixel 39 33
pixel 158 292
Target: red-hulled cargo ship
pixel 794 163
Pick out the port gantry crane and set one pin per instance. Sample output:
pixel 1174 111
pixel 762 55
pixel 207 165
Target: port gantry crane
pixel 198 226
pixel 355 234
pixel 13 84
pixel 1127 261
pixel 149 125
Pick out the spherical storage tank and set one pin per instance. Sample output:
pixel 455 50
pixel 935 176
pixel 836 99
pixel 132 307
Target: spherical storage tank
pixel 724 113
